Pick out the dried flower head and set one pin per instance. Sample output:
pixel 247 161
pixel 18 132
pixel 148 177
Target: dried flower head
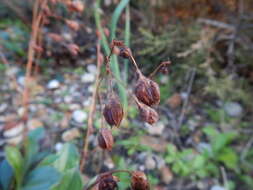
pixel 139 181
pixel 147 91
pixel 148 114
pixel 75 6
pixel 108 182
pixel 73 25
pixel 55 37
pixel 125 53
pixel 105 139
pixel 113 111
pixel 73 48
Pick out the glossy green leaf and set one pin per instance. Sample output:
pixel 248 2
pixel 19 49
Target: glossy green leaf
pixel 68 158
pixel 70 180
pixel 16 161
pixel 42 178
pixel 5 175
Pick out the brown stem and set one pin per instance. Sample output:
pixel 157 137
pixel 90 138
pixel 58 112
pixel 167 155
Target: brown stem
pixel 92 109
pixel 36 24
pixel 159 67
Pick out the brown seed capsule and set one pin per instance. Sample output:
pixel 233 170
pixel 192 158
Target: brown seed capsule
pixel 72 24
pixel 105 139
pixel 147 91
pixel 147 113
pixel 75 6
pixel 139 181
pixel 125 53
pixel 108 182
pixel 113 111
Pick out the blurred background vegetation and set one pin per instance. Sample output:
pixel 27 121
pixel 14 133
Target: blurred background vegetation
pixel 203 139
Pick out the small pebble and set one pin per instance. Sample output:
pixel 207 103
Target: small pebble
pixel 88 77
pixel 155 129
pixel 21 80
pixel 217 187
pixel 92 68
pixel 58 146
pixel 79 116
pixel 150 163
pixel 53 84
pixel 233 109
pixel 15 131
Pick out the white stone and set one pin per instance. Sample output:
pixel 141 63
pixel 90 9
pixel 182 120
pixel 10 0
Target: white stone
pixel 15 140
pixel 233 109
pixel 12 71
pixel 73 107
pixel 88 77
pixel 58 146
pixel 67 36
pixel 155 129
pixel 79 116
pixel 86 102
pixel 91 89
pixel 53 84
pixel 3 107
pixel 217 187
pixel 21 80
pixel 15 131
pixel 164 79
pixel 92 68
pixel 150 163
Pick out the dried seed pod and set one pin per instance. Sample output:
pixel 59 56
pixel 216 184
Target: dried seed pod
pixel 139 181
pixel 147 114
pixel 147 91
pixel 108 182
pixel 125 53
pixel 113 111
pixel 72 24
pixel 105 139
pixel 75 6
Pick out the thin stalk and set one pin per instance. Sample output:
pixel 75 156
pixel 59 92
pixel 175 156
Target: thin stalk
pixel 92 109
pixel 127 40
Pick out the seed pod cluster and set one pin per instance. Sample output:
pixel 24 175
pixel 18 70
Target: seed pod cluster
pixel 139 181
pixel 113 111
pixel 105 139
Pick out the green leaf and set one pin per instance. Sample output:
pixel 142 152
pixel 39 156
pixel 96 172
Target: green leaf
pixel 70 180
pixel 42 178
pixel 50 159
pixel 229 158
pixel 210 131
pixel 199 162
pixel 32 153
pixel 221 140
pixel 16 161
pixel 68 158
pixel 5 175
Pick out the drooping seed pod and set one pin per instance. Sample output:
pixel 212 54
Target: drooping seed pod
pixel 113 111
pixel 147 113
pixel 73 24
pixel 108 182
pixel 125 53
pixel 139 181
pixel 75 6
pixel 105 139
pixel 147 91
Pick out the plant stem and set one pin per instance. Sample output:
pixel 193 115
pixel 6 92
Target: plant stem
pixel 92 109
